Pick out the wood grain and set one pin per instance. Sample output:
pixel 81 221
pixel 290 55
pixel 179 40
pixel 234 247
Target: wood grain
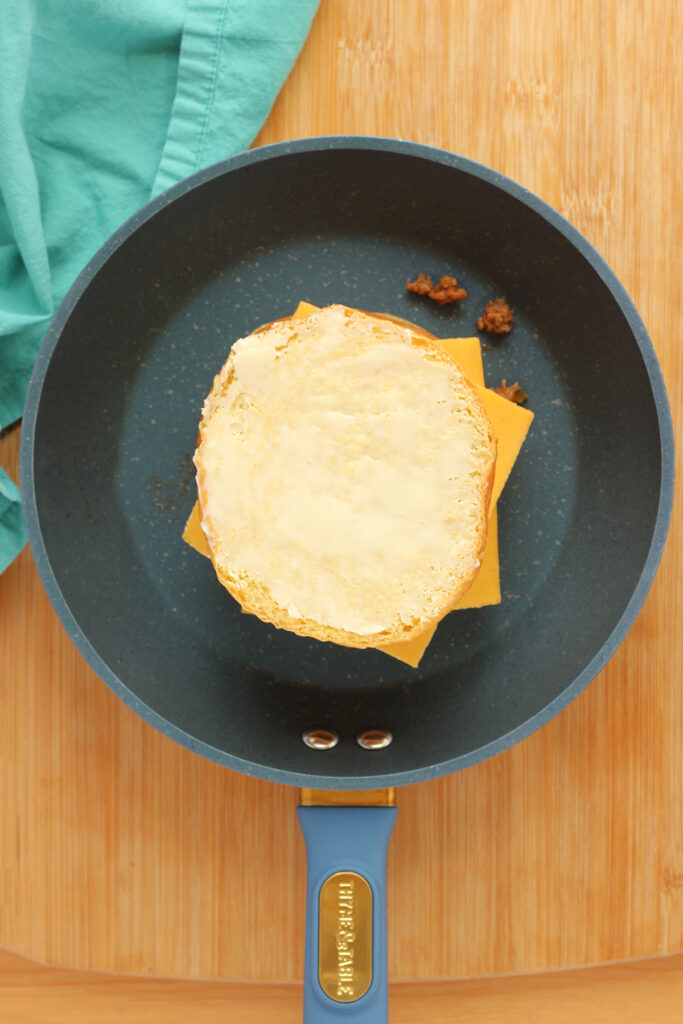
pixel 120 850
pixel 648 990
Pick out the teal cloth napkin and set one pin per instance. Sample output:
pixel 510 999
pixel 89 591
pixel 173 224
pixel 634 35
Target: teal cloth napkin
pixel 103 104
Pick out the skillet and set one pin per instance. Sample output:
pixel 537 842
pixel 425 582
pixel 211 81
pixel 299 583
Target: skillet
pixel 109 429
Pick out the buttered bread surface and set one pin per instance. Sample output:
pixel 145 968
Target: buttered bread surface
pixel 344 472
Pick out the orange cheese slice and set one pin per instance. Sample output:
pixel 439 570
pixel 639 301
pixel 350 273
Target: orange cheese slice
pixel 510 423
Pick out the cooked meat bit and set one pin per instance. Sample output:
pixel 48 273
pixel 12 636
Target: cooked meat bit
pixel 512 392
pixel 498 318
pixel 422 285
pixel 447 290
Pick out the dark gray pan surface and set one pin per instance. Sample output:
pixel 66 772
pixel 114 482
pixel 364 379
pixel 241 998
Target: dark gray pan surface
pixel 111 420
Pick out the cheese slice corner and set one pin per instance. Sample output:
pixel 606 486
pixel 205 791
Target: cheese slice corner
pixel 193 533
pixel 303 309
pixel 484 591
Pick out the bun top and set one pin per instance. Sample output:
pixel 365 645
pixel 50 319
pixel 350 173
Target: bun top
pixel 344 472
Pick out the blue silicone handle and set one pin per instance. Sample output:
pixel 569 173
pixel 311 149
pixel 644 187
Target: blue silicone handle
pixel 347 839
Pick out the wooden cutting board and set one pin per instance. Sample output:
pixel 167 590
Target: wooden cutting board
pixel 634 993
pixel 121 851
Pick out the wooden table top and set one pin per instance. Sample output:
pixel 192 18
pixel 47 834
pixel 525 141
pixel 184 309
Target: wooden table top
pixel 121 851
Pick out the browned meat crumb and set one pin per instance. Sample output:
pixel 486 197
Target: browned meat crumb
pixel 447 290
pixel 422 285
pixel 512 392
pixel 497 318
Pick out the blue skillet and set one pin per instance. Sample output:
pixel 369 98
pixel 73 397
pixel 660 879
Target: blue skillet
pixel 109 430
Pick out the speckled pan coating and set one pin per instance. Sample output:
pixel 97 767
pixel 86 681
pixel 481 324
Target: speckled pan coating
pixel 110 425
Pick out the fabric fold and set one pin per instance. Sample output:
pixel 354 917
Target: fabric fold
pixel 102 106
pixel 234 57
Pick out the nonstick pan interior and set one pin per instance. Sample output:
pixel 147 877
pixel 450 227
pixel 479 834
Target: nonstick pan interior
pixel 111 421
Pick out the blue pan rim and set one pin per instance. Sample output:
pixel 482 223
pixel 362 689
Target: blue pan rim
pixel 319 779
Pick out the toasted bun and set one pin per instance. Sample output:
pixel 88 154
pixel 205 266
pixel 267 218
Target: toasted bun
pixel 344 470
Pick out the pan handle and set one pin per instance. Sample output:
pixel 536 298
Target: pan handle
pixel 345 974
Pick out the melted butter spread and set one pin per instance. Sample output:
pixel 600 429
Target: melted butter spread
pixel 337 471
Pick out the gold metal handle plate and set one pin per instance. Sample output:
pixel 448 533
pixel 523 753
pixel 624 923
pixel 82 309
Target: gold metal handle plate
pixel 345 936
